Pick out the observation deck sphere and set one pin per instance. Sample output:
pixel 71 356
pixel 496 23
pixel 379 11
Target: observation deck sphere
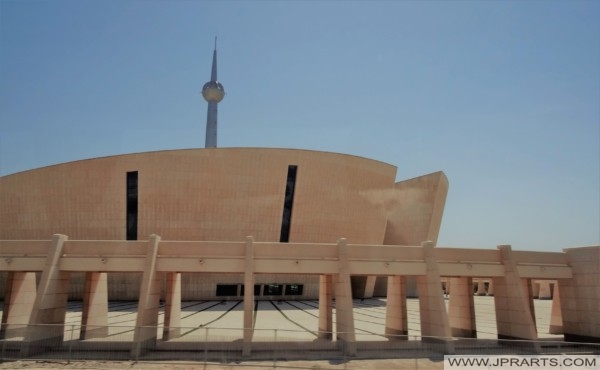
pixel 213 91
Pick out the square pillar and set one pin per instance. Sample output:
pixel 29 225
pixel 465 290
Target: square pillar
pixel 480 287
pixel 325 307
pixel 529 288
pixel 535 288
pixel 432 308
pixel 369 287
pixel 172 323
pixel 461 309
pixel 580 295
pixel 556 322
pixel 18 304
pixel 396 318
pixel 94 318
pixel 344 315
pixel 144 337
pixel 248 297
pixel 512 297
pixel 47 321
pixel 545 290
pixel 490 291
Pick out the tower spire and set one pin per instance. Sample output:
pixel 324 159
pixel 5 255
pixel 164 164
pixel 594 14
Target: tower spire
pixel 213 93
pixel 213 72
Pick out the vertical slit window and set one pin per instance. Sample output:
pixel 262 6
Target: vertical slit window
pixel 286 219
pixel 227 290
pixel 132 205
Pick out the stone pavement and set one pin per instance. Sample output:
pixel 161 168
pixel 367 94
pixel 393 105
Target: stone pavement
pixel 292 320
pixel 399 364
pixel 296 320
pixel 274 320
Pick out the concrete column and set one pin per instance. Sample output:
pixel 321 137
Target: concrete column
pixel 461 310
pixel 410 282
pixel 370 286
pixel 50 304
pixel 344 314
pixel 432 308
pixel 580 295
pixel 535 288
pixel 396 323
pixel 528 288
pixel 325 307
pixel 144 337
pixel 490 291
pixel 172 324
pixel 514 319
pixel 556 322
pixel 94 318
pixel 18 304
pixel 248 297
pixel 480 287
pixel 445 286
pixel 545 290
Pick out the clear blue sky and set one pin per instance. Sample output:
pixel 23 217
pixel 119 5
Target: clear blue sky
pixel 503 96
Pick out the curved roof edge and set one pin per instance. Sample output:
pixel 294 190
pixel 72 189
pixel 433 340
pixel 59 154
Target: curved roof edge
pixel 195 149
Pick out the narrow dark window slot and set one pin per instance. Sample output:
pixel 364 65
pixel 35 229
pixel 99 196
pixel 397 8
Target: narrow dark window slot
pixel 273 289
pixel 294 289
pixel 227 290
pixel 288 203
pixel 132 205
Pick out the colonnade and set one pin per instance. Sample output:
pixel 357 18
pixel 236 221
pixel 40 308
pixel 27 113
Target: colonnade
pixel 510 275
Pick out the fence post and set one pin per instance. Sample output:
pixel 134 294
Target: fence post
pixel 2 350
pixel 205 346
pixel 275 349
pixel 70 344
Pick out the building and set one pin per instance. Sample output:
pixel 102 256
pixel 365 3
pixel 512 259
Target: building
pixel 274 195
pixel 260 223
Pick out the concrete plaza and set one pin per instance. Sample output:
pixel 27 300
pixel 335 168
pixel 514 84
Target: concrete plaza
pixel 296 320
pixel 286 320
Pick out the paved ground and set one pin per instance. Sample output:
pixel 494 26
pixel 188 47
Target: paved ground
pixel 182 365
pixel 293 320
pixel 313 365
pixel 280 321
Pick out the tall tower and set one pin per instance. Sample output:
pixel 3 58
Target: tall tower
pixel 213 93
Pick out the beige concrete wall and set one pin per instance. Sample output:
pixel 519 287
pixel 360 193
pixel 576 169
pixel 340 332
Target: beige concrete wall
pixel 415 210
pixel 126 286
pixel 580 296
pixel 200 194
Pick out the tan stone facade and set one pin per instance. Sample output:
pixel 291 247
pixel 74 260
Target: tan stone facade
pixel 208 218
pixel 221 195
pixel 200 194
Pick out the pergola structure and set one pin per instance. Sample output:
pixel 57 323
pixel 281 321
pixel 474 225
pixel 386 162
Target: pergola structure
pixel 27 306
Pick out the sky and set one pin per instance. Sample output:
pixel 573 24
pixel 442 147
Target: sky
pixel 503 96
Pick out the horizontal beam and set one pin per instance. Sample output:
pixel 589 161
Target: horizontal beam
pixel 466 255
pixel 545 272
pixel 387 268
pixel 102 264
pixel 197 249
pixel 271 257
pixel 540 258
pixel 105 248
pixel 24 247
pixel 295 266
pixel 222 265
pixel 22 264
pixel 470 269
